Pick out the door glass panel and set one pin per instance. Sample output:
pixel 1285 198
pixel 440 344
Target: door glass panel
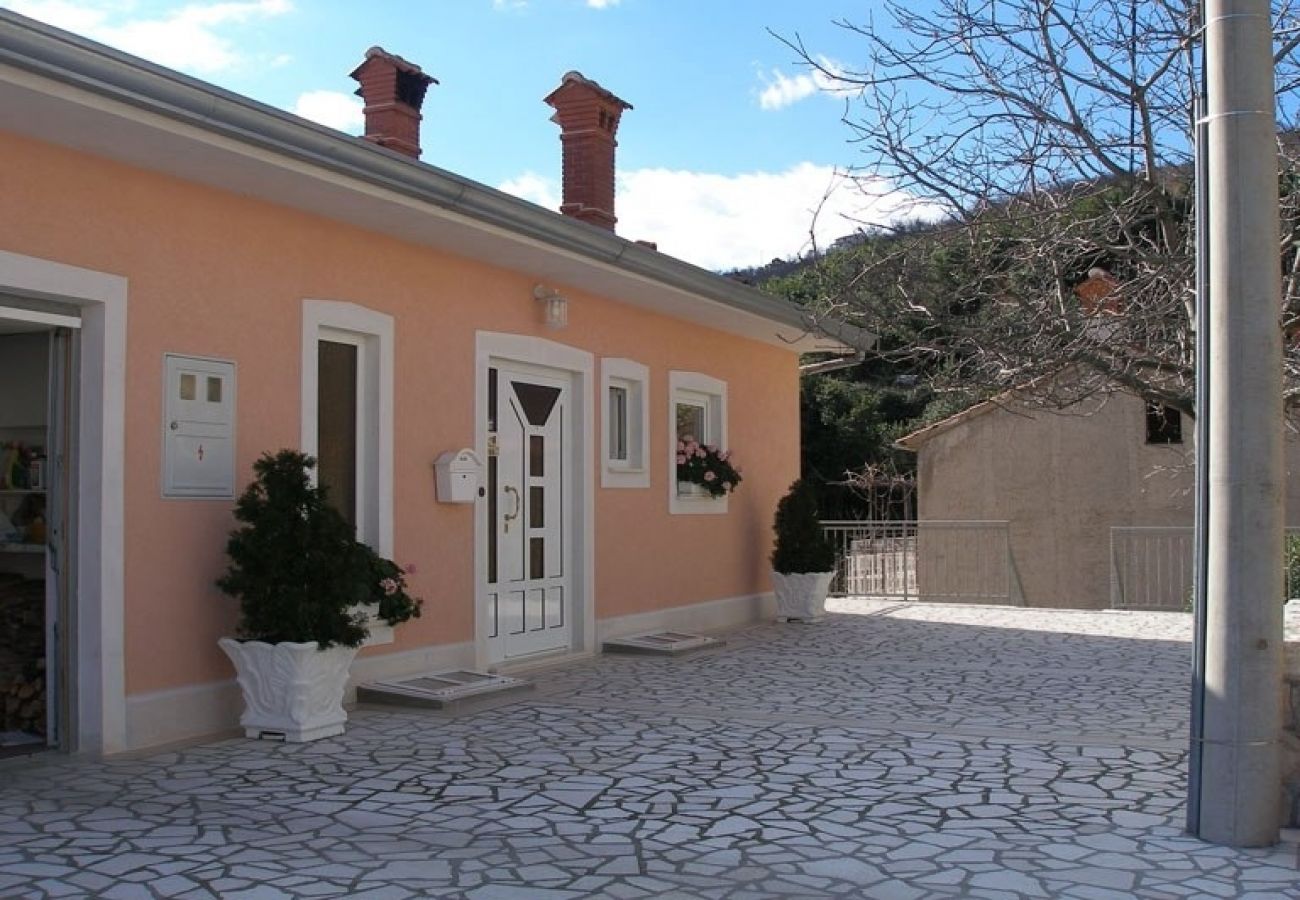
pixel 189 386
pixel 492 519
pixel 537 557
pixel 537 400
pixel 214 389
pixel 537 507
pixel 336 437
pixel 492 401
pixel 536 455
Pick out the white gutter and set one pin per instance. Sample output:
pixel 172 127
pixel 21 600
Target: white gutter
pixel 833 365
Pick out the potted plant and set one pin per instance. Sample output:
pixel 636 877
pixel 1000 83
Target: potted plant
pixel 305 587
pixel 803 561
pixel 710 469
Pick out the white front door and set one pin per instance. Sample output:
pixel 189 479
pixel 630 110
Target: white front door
pixel 529 590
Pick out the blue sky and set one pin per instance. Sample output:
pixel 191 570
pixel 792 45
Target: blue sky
pixel 728 150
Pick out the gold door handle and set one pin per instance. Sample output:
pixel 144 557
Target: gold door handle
pixel 511 516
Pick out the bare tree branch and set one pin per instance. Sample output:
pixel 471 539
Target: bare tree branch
pixel 1049 144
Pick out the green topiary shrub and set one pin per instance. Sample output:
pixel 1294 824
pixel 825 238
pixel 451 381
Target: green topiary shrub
pixel 296 566
pixel 800 544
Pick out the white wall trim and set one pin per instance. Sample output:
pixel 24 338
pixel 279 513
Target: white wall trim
pixel 489 346
pixel 709 616
pixel 98 679
pixel 716 390
pixel 407 663
pixel 199 711
pixel 375 332
pixel 636 376
pixel 186 713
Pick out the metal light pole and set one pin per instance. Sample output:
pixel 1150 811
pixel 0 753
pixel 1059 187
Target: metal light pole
pixel 1240 784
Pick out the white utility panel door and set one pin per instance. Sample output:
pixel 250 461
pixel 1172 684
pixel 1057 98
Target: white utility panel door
pixel 199 427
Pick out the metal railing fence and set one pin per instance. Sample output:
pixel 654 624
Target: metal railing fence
pixel 959 561
pixel 1151 567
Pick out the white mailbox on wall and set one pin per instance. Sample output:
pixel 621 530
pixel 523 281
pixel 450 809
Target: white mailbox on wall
pixel 458 476
pixel 198 427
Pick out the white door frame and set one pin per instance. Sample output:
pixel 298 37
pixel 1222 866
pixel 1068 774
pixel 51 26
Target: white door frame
pixel 580 365
pixel 97 677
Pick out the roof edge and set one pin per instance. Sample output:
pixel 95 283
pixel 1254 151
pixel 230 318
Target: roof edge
pixel 63 57
pixel 914 440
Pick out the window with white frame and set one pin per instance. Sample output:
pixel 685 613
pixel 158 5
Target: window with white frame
pixel 697 410
pixel 347 416
pixel 343 431
pixel 625 441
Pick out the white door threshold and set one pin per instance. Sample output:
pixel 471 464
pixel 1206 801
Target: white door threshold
pixel 662 643
pixel 441 690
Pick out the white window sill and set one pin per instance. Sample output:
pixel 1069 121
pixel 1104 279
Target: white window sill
pixel 693 500
pixel 619 476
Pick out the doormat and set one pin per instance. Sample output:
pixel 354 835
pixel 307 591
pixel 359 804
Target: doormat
pixel 661 643
pixel 440 690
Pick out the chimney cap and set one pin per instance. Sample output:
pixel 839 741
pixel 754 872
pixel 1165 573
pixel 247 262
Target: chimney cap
pixel 577 78
pixel 401 65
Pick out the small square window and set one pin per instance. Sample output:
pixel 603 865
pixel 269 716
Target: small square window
pixel 698 412
pixel 1164 424
pixel 189 386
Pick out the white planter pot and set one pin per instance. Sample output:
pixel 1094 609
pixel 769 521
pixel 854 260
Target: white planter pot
pixel 294 691
pixel 801 595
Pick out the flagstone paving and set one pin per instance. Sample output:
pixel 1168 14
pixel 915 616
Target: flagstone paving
pixel 892 751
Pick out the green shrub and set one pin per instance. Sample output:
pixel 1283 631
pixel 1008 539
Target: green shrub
pixel 296 566
pixel 800 544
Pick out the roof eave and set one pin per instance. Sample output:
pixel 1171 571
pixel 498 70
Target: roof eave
pixel 71 60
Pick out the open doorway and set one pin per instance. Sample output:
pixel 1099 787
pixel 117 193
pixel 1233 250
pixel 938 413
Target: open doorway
pixel 36 404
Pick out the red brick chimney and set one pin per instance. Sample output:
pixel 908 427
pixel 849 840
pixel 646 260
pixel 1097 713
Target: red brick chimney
pixel 588 118
pixel 393 90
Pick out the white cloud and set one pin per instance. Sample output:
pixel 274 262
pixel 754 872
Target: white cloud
pixel 531 186
pixel 731 221
pixel 331 108
pixel 781 90
pixel 602 4
pixel 188 37
pixel 508 5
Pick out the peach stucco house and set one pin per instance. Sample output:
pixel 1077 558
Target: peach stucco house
pixel 189 278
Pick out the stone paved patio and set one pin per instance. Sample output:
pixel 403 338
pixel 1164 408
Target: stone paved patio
pixel 892 751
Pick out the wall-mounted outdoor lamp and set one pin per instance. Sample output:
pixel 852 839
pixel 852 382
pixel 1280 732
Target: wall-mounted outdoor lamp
pixel 555 307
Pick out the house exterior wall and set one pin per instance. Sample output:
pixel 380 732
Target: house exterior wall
pixel 1061 480
pixel 215 274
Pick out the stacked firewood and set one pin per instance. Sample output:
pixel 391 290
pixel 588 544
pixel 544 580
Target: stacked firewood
pixel 22 654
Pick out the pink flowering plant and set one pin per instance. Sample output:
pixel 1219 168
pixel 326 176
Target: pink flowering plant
pixel 390 592
pixel 707 466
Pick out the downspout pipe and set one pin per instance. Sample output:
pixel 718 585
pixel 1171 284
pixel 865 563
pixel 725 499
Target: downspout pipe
pixel 1196 721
